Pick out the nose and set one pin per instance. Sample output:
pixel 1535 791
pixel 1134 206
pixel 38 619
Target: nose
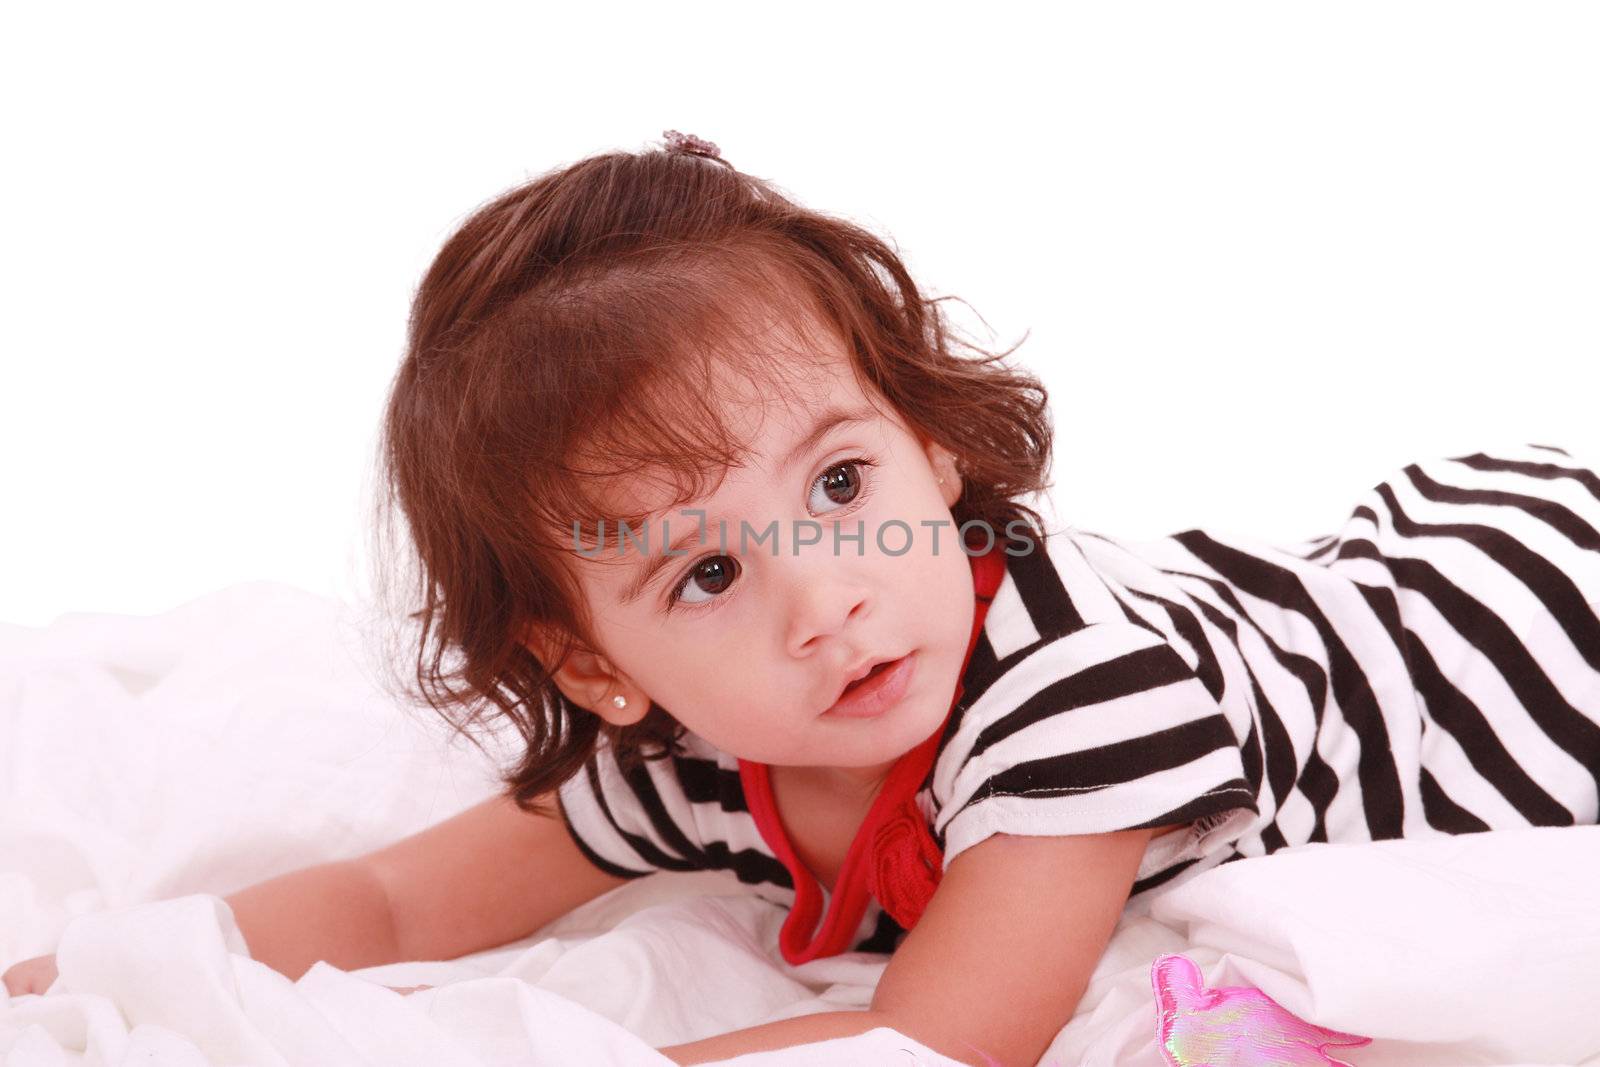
pixel 824 599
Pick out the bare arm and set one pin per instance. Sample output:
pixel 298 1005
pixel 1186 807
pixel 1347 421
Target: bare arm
pixel 997 963
pixel 485 877
pixel 334 911
pixel 488 876
pixel 491 875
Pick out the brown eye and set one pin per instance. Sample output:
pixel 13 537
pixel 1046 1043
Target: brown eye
pixel 706 580
pixel 840 483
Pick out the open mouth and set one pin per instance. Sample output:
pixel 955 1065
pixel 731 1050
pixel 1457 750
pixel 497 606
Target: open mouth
pixel 876 691
pixel 873 673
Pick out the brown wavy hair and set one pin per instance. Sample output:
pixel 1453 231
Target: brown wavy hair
pixel 571 332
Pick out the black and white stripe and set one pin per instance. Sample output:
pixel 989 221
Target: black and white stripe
pixel 1433 667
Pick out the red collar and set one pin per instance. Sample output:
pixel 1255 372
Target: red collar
pixel 893 857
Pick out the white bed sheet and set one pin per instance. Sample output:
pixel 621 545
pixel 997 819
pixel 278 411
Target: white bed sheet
pixel 151 765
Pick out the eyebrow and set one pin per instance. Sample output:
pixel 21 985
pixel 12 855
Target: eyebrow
pixel 830 420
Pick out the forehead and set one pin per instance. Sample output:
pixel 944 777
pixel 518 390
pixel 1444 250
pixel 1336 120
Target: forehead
pixel 763 419
pixel 735 403
pixel 759 409
pixel 766 407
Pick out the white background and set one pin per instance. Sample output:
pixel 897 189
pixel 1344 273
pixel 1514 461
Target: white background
pixel 1268 253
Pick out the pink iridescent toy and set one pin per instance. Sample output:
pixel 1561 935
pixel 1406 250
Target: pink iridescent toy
pixel 1235 1026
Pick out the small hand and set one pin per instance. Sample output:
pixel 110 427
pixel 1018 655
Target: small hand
pixel 30 976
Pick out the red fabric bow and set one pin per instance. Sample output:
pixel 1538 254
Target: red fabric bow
pixel 893 858
pixel 907 864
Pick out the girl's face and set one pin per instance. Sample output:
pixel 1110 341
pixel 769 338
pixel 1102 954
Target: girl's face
pixel 749 644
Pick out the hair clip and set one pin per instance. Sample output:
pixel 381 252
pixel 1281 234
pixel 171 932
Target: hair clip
pixel 689 144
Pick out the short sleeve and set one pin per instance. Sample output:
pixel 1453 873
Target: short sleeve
pixel 630 823
pixel 1103 728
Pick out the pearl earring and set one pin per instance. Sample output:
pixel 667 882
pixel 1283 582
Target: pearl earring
pixel 620 701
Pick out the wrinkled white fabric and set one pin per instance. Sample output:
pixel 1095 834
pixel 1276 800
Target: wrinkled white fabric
pixel 150 766
pixel 1477 949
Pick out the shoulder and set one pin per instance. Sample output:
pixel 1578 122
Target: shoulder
pixel 1049 601
pixel 1052 587
pixel 1078 717
pixel 648 814
pixel 1087 690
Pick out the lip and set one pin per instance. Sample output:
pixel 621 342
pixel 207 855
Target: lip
pixel 877 694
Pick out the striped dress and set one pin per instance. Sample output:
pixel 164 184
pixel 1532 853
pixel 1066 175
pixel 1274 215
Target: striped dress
pixel 1432 667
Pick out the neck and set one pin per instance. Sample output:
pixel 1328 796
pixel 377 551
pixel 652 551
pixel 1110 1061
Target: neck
pixel 858 783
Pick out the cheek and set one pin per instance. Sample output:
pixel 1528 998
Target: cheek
pixel 699 675
pixel 961 591
pixel 943 585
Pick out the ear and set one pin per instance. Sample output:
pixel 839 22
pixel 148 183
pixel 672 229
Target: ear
pixel 943 462
pixel 588 679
